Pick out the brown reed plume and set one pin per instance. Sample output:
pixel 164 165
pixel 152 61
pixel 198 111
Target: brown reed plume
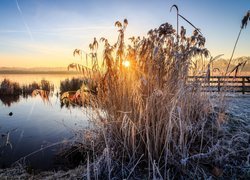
pixel 151 122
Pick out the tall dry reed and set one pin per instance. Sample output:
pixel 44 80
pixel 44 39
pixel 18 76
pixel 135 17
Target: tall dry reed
pixel 151 122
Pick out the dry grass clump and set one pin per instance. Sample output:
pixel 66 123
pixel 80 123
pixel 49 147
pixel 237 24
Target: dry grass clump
pixel 71 84
pixel 154 119
pixel 10 88
pixel 73 89
pixel 11 91
pixel 153 123
pixel 28 89
pixel 46 85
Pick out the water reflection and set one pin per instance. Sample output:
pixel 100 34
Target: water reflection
pixel 43 94
pixel 9 100
pixel 11 91
pixel 40 123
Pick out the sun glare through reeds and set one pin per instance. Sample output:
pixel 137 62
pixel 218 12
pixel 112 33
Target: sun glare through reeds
pixel 158 105
pixel 155 123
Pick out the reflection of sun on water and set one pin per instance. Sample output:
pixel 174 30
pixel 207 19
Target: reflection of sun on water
pixel 126 63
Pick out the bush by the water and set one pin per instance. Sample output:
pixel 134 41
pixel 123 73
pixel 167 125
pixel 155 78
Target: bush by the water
pixel 28 89
pixel 71 84
pixel 153 122
pixel 10 88
pixel 11 91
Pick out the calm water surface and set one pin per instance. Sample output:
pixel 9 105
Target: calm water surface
pixel 36 123
pixel 29 78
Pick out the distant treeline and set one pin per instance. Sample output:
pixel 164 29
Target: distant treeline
pixel 222 63
pixel 36 72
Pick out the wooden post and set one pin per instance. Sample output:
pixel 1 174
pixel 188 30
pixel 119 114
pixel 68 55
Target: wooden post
pixel 218 84
pixel 243 85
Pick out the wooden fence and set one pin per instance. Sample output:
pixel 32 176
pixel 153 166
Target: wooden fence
pixel 223 83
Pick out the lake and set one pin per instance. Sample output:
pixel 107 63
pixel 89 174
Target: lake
pixel 36 124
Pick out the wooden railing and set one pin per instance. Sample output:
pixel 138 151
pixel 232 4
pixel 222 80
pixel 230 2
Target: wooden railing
pixel 223 83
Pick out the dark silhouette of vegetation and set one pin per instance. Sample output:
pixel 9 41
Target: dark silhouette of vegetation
pixel 10 92
pixel 244 21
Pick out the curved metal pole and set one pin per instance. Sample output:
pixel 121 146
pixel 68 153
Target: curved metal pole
pixel 233 51
pixel 244 24
pixel 190 23
pixel 177 17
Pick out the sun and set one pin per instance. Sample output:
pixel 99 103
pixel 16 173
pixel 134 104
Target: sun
pixel 126 63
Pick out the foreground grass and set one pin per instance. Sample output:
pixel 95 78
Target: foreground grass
pixel 228 158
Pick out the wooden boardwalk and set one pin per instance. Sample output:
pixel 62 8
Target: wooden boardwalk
pixel 239 84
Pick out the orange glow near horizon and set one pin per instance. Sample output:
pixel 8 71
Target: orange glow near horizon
pixel 33 61
pixel 45 34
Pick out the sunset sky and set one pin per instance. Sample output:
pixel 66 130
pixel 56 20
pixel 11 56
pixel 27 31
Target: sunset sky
pixel 45 32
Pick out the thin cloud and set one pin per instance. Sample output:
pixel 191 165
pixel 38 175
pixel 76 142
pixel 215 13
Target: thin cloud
pixel 74 32
pixel 56 30
pixel 24 22
pixel 73 29
pixel 12 31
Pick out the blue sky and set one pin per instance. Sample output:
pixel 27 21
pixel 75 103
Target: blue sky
pixel 45 32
